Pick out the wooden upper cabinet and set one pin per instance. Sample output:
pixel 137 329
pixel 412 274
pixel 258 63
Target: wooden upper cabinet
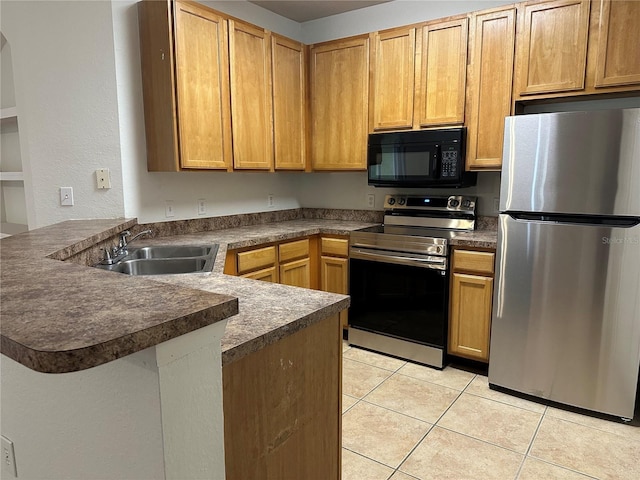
pixel 489 85
pixel 185 86
pixel 339 82
pixel 441 73
pixel 289 67
pixel 618 44
pixel 251 96
pixel 552 46
pixel 392 79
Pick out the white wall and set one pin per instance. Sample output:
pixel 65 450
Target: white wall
pixel 388 15
pixel 65 92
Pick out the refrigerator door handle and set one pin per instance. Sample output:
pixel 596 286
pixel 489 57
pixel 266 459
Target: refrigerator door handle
pixel 595 220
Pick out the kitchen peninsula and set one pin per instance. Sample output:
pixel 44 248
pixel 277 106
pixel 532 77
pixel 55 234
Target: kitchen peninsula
pixel 138 358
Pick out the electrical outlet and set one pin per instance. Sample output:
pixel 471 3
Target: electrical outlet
pixel 270 200
pixel 168 209
pixel 8 458
pixel 66 196
pixel 103 178
pixel 371 200
pixel 496 205
pixel 202 206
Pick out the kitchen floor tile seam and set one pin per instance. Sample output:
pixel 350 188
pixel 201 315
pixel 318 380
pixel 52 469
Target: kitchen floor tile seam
pixel 533 437
pixel 363 399
pixel 413 449
pixel 594 427
pixel 371 364
pixel 432 383
pixel 357 401
pixel 506 403
pixel 555 465
pixel 480 440
pixel 374 460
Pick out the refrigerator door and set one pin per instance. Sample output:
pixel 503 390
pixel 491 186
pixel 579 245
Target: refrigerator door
pixel 566 314
pixel 574 163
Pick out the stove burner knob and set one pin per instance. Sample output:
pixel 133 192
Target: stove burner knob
pixel 392 201
pixel 402 201
pixel 466 204
pixel 439 249
pixel 454 203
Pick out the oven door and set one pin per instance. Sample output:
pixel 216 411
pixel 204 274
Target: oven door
pixel 400 299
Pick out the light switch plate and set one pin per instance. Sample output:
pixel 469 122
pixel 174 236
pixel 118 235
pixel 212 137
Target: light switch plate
pixel 66 196
pixel 103 178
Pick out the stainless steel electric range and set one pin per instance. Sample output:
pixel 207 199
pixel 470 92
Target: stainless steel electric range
pixel 399 276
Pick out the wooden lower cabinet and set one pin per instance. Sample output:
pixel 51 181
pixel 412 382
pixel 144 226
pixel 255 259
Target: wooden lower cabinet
pixel 266 275
pixel 334 268
pixel 471 297
pixel 296 273
pixel 282 408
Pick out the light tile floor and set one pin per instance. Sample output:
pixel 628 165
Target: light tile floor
pixel 403 421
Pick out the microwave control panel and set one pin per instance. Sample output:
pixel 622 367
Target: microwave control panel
pixel 449 162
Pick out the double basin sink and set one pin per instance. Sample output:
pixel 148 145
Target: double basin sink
pixel 165 260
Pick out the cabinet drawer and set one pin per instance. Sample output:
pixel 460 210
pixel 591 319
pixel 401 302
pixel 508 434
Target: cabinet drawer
pixel 337 247
pixel 472 261
pixel 255 259
pixel 293 250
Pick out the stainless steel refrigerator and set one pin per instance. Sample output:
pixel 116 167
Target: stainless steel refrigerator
pixel 566 310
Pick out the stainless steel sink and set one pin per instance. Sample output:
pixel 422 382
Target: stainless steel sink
pixel 170 251
pixel 165 260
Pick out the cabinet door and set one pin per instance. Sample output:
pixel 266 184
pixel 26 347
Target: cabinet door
pixel 266 275
pixel 333 275
pixel 289 60
pixel 470 319
pixel 251 100
pixel 297 273
pixel 339 74
pixel 441 73
pixel 490 76
pixel 552 47
pixel 392 79
pixel 618 54
pixel 202 85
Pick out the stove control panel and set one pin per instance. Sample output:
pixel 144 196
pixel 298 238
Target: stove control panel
pixel 452 203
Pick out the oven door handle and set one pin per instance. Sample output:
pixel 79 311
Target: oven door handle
pixel 432 262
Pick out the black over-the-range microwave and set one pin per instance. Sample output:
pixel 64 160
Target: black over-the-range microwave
pixel 419 158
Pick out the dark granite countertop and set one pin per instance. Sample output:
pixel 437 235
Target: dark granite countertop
pixel 58 317
pixel 61 316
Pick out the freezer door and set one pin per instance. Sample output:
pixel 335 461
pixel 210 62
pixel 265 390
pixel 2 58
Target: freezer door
pixel 574 162
pixel 566 314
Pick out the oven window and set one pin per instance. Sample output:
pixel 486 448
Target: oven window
pixel 399 301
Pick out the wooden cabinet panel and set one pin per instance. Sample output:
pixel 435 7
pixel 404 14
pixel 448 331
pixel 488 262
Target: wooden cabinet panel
pixel 441 73
pixel 334 274
pixel 292 250
pixel 337 247
pixel 392 79
pixel 618 51
pixel 251 96
pixel 289 67
pixel 470 320
pixel 266 275
pixel 282 408
pixel 185 86
pixel 296 273
pixel 473 261
pixel 256 258
pixel 339 82
pixel 490 82
pixel 552 51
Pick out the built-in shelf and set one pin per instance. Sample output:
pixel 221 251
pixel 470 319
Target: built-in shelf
pixel 11 176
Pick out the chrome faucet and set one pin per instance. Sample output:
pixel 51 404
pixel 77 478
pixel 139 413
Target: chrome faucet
pixel 113 254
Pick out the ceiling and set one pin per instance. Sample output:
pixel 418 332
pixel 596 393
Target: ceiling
pixel 303 11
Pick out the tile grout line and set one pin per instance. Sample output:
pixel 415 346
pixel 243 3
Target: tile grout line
pixel 533 437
